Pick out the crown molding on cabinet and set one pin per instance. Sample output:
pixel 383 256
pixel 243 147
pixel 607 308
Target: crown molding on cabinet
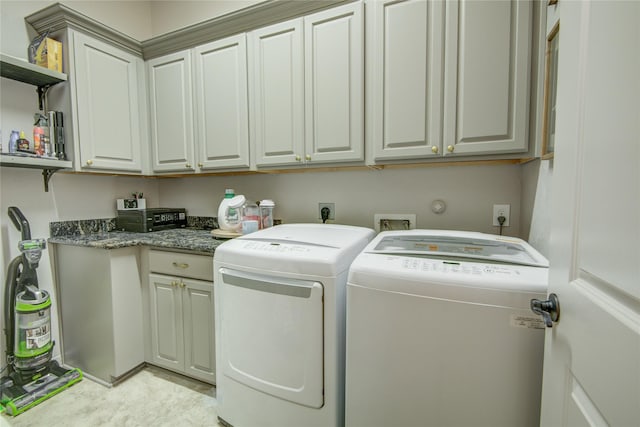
pixel 259 15
pixel 58 16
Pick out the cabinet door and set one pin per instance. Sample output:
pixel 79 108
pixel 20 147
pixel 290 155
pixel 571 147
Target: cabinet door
pixel 334 83
pixel 406 69
pixel 221 104
pixel 167 326
pixel 199 330
pixel 488 49
pixel 276 59
pixel 107 101
pixel 171 112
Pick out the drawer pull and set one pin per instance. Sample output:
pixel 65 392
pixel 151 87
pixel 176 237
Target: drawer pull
pixel 180 265
pixel 182 285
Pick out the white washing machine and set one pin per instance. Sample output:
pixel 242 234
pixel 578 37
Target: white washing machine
pixel 280 324
pixel 440 333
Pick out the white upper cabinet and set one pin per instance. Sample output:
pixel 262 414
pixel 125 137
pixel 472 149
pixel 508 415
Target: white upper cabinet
pixel 307 89
pixel 276 77
pixel 406 73
pixel 448 78
pixel 109 96
pixel 334 83
pixel 487 78
pixel 222 116
pixel 199 108
pixel 171 112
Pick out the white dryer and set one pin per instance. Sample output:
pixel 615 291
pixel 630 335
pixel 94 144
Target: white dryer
pixel 440 333
pixel 280 324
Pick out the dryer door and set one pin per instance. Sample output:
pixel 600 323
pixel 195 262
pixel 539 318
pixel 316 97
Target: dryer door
pixel 272 335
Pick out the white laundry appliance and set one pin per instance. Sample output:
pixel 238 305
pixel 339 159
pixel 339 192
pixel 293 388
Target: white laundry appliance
pixel 280 324
pixel 440 332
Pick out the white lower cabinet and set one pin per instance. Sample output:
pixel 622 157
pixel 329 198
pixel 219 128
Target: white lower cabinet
pixel 181 311
pixel 99 296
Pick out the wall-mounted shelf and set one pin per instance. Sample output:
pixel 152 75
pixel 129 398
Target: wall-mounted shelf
pixel 17 69
pixel 48 166
pixel 25 72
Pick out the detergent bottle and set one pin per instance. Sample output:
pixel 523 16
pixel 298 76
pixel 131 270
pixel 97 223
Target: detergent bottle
pixel 229 211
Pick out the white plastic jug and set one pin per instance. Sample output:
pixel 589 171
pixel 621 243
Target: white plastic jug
pixel 231 222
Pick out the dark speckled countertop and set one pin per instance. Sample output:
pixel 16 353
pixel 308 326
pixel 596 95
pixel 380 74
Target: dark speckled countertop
pixel 194 240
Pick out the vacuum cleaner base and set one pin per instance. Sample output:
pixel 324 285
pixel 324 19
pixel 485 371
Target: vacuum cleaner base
pixel 17 399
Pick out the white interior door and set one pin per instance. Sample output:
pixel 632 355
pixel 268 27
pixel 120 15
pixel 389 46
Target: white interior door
pixel 592 355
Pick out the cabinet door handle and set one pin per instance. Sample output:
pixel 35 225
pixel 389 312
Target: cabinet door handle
pixel 174 283
pixel 89 162
pixel 434 149
pixel 200 165
pixel 182 285
pixel 297 158
pixel 450 148
pixel 188 165
pixel 180 265
pixel 308 157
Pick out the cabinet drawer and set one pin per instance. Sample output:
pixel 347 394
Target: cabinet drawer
pixel 183 265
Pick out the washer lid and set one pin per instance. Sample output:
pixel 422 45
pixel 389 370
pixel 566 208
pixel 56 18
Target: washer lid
pixel 309 249
pixel 327 235
pixel 457 244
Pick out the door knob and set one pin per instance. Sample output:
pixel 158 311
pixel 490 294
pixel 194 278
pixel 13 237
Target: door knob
pixel 450 148
pixel 307 157
pixel 89 162
pixel 188 165
pixel 200 165
pixel 434 149
pixel 549 309
pixel 297 158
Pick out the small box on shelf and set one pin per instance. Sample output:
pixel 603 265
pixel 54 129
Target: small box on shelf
pixel 46 52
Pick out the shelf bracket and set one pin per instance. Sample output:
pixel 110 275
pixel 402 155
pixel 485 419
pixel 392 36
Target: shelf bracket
pixel 42 95
pixel 47 174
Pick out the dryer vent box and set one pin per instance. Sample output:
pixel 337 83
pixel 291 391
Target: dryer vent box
pixel 387 222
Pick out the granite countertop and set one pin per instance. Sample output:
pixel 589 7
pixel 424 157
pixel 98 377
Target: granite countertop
pixel 180 239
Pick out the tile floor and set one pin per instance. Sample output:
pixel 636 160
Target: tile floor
pixel 151 397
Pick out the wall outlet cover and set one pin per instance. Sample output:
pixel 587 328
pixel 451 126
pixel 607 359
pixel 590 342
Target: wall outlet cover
pixel 332 210
pixel 501 210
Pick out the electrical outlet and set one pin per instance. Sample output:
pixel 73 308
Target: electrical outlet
pixel 501 210
pixel 332 210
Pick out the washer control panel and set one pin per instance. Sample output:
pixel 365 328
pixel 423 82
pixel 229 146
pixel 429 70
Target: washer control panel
pixel 451 267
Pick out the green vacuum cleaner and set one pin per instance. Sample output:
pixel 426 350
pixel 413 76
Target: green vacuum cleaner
pixel 32 376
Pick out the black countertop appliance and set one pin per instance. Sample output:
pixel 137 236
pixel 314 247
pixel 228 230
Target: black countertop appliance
pixel 152 219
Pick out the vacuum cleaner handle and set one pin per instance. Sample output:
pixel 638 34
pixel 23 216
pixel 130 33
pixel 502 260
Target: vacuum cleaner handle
pixel 20 222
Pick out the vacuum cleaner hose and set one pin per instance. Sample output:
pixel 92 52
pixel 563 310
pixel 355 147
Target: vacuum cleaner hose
pixel 10 292
pixel 20 222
